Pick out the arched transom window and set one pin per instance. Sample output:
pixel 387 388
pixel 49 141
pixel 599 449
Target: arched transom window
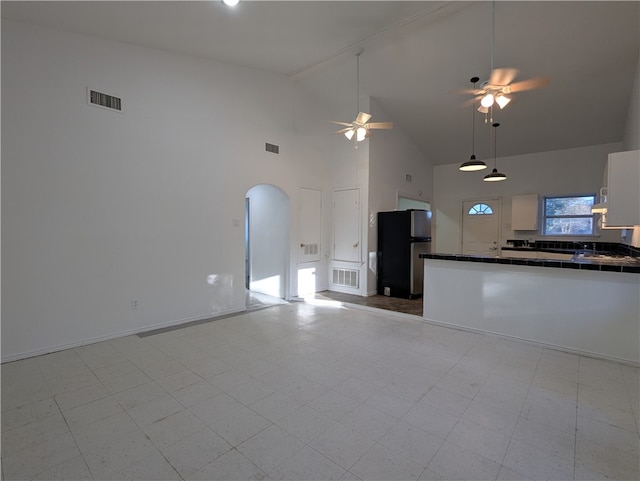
pixel 480 209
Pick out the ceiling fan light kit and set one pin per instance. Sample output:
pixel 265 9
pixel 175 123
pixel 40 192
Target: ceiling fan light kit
pixel 487 100
pixel 502 100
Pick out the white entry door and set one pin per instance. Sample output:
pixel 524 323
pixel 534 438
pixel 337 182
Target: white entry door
pixel 481 227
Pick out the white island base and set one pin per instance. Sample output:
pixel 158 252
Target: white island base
pixel 586 312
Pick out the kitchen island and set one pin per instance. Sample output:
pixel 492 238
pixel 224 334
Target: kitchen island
pixel 578 305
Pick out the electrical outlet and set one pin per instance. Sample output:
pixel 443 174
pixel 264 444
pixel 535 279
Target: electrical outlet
pixel 134 304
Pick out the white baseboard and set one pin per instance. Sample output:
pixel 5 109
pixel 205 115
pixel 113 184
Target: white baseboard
pixel 115 335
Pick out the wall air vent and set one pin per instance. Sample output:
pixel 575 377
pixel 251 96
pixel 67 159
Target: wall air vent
pixel 105 101
pixel 310 249
pixel 274 149
pixel 345 277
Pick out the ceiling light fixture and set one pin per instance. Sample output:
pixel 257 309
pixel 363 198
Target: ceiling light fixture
pixel 472 164
pixel 231 3
pixel 495 176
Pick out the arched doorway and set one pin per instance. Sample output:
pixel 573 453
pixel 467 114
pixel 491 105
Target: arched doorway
pixel 267 241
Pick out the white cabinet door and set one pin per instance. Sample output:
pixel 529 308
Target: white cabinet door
pixel 524 212
pixel 623 189
pixel 346 225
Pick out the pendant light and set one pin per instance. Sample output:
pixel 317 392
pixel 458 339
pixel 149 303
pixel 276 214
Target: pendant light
pixel 495 176
pixel 472 164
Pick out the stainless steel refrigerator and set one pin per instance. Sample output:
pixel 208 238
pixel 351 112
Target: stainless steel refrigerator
pixel 402 236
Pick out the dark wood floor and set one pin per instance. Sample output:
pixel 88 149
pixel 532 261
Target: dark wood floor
pixel 406 306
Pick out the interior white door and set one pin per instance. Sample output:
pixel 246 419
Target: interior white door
pixel 346 225
pixel 481 227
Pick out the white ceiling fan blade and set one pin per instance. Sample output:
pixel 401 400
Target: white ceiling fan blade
pixel 380 125
pixel 363 117
pixel 503 76
pixel 467 91
pixel 534 83
pixel 346 124
pixel 342 131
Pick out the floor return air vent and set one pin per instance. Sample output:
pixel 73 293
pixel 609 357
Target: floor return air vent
pixel 345 277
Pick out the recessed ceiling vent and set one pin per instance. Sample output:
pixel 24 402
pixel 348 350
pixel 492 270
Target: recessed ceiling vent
pixel 274 149
pixel 106 101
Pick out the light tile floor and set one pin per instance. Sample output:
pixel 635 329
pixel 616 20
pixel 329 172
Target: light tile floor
pixel 312 392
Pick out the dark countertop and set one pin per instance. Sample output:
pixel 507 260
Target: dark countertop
pixel 557 250
pixel 625 264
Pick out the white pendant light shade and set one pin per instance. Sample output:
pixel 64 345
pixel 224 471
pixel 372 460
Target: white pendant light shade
pixel 349 134
pixel 361 134
pixel 483 110
pixel 502 101
pixel 487 100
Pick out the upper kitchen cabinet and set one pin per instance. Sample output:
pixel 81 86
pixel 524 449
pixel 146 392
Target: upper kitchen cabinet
pixel 524 212
pixel 623 188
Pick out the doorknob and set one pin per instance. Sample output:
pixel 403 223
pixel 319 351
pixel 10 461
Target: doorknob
pixel 356 244
pixel 302 245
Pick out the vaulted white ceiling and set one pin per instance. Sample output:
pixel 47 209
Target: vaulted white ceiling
pixel 415 55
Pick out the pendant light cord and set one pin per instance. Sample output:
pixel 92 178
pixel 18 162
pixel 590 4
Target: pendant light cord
pixel 495 145
pixel 473 120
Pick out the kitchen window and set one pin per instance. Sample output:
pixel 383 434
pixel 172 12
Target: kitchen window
pixel 568 215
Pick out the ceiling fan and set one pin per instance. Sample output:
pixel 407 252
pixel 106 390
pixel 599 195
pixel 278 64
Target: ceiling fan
pixel 501 81
pixel 501 84
pixel 360 128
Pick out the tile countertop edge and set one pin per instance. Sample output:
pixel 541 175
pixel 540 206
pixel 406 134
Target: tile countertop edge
pixel 622 266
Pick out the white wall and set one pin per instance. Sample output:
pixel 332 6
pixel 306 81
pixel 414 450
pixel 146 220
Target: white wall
pixel 391 158
pixel 100 208
pixel 575 171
